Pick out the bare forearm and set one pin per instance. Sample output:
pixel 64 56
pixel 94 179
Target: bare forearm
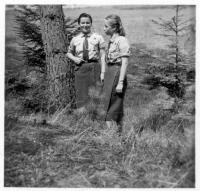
pixel 71 56
pixel 75 59
pixel 103 62
pixel 123 70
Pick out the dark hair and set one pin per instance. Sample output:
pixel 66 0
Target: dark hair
pixel 115 21
pixel 84 15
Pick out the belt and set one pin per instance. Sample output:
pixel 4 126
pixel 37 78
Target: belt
pixel 114 63
pixel 89 61
pixel 92 61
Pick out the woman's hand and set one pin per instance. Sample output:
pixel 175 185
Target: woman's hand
pixel 119 87
pixel 102 77
pixel 78 60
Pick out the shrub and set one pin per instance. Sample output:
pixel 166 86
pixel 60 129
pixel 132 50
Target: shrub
pixel 191 75
pixel 166 76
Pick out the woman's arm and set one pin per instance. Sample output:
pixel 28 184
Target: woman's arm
pixel 71 52
pixel 103 63
pixel 74 58
pixel 122 74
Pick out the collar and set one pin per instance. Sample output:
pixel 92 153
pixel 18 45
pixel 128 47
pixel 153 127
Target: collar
pixel 114 36
pixel 88 35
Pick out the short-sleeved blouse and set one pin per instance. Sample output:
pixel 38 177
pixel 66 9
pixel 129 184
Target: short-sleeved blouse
pixel 95 43
pixel 118 48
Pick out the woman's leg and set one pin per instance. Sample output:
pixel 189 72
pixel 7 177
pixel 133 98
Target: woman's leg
pixel 109 124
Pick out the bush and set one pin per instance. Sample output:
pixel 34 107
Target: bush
pixel 16 87
pixel 168 76
pixel 35 99
pixel 191 75
pixel 175 85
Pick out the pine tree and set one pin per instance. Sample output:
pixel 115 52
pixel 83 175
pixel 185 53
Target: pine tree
pixel 173 73
pixel 173 30
pixel 29 30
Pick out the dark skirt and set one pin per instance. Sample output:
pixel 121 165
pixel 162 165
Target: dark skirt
pixel 113 100
pixel 86 76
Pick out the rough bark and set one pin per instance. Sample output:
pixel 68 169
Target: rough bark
pixel 55 46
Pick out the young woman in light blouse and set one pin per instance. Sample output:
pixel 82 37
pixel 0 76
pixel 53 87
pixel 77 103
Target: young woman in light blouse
pixel 86 50
pixel 115 81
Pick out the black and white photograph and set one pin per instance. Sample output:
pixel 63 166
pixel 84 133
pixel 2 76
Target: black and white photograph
pixel 99 95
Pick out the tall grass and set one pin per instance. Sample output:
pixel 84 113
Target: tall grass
pixel 78 150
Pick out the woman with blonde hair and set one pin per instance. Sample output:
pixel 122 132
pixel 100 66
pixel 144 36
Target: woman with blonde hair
pixel 115 81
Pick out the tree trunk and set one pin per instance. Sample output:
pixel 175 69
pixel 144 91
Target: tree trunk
pixel 177 35
pixel 55 46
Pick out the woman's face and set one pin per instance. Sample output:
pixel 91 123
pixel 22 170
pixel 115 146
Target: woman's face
pixel 85 25
pixel 108 29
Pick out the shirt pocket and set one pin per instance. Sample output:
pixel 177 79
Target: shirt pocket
pixel 93 44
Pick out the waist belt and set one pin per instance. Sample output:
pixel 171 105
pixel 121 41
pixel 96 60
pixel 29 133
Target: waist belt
pixel 89 61
pixel 114 63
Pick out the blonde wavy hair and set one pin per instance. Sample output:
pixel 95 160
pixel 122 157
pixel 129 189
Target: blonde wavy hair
pixel 115 21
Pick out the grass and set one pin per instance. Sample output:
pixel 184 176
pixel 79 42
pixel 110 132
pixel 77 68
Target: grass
pixel 77 150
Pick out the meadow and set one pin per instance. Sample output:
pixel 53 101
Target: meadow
pixel 156 148
pixel 136 21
